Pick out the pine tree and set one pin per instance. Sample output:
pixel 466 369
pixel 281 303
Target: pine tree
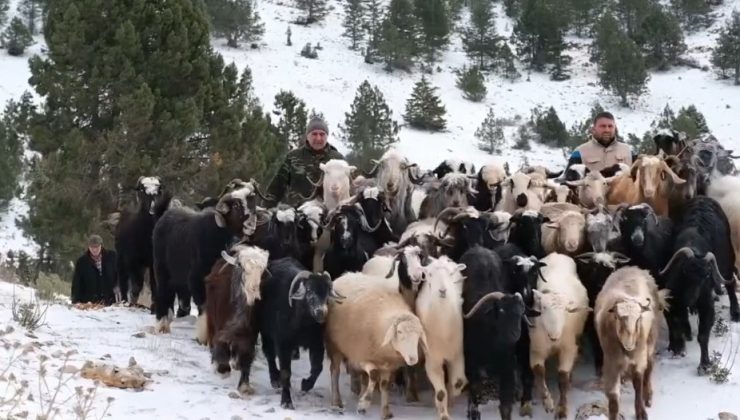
pixel 369 128
pixel 690 121
pixel 152 99
pixel 235 20
pixel 506 63
pixel 694 13
pixel 399 39
pixel 585 13
pixel 293 116
pixel 548 127
pixel 11 152
pixel 424 110
pixel 632 13
pixel 4 7
pixel 538 33
pixel 471 82
pixel 726 55
pixel 606 31
pixel 373 28
pixel 315 10
pixel 435 27
pixel 661 38
pixel 354 22
pixel 621 65
pixel 479 38
pixel 490 134
pixel 524 135
pixel 31 11
pixel 16 37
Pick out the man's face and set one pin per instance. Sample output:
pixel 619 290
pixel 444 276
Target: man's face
pixel 604 130
pixel 95 249
pixel 317 139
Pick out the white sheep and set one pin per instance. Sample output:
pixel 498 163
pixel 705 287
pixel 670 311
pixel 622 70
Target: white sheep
pixel 725 190
pixel 374 331
pixel 439 307
pixel 563 303
pixel 566 233
pixel 627 314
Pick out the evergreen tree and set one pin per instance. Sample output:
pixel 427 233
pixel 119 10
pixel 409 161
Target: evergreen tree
pixel 399 39
pixel 291 110
pixel 524 135
pixel 152 99
pixel 661 38
pixel 315 10
pixel 11 152
pixel 479 38
pixel 538 33
pixel 235 20
pixel 369 128
pixel 505 63
pixel 585 13
pixel 354 22
pixel 424 110
pixel 694 13
pixel 374 29
pixel 606 31
pixel 490 134
pixel 31 11
pixel 690 121
pixel 511 8
pixel 435 27
pixel 471 82
pixel 632 13
pixel 16 37
pixel 726 55
pixel 548 127
pixel 621 65
pixel 4 7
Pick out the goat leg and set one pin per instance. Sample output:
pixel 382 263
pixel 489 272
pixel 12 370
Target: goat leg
pixel 316 355
pixel 385 383
pixel 637 383
pixel 245 351
pixel 734 307
pixel 268 349
pixel 706 320
pixel 506 384
pixel 525 370
pixel 285 353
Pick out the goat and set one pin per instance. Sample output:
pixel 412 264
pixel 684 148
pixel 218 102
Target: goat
pixel 724 191
pixel 133 238
pixel 642 183
pixel 352 241
pixel 679 194
pixel 187 243
pixel 453 166
pixel 600 229
pixel 560 193
pixel 563 306
pixel 424 233
pixel 439 308
pixel 702 260
pixel 592 189
pixel 628 314
pixel 526 232
pixel 292 314
pixel 392 173
pixel 372 330
pixel 522 192
pixel 468 228
pixel 276 232
pixel 404 270
pixel 593 268
pixel 334 184
pixel 489 184
pixel 374 206
pixel 311 217
pixel 452 192
pixel 669 142
pixel 645 237
pixel 233 287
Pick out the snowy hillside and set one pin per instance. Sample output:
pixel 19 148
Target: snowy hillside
pixel 183 385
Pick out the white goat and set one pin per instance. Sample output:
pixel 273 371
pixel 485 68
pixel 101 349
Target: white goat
pixel 403 273
pixel 439 307
pixel 563 304
pixel 374 331
pixel 725 190
pixel 336 182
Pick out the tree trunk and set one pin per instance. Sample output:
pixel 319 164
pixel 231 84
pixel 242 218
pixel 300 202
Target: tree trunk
pixel 231 41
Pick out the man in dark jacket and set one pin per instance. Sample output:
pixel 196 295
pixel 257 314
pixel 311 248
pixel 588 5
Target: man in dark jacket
pixel 302 165
pixel 95 274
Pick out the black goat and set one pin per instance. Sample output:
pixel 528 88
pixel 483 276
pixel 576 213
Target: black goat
pixel 291 315
pixel 526 232
pixel 311 217
pixel 703 259
pixel 669 142
pixel 374 205
pixel 352 241
pixel 452 165
pixel 593 269
pixel 492 329
pixel 276 232
pixel 187 243
pixel 645 237
pixel 133 238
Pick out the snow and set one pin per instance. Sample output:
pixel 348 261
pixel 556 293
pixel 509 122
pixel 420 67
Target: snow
pixel 184 385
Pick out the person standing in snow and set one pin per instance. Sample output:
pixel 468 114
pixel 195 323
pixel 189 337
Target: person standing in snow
pixel 95 274
pixel 602 150
pixel 302 166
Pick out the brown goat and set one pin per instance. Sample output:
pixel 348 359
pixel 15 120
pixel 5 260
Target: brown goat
pixel 644 184
pixel 232 287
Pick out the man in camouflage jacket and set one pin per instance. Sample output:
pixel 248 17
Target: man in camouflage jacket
pixel 302 164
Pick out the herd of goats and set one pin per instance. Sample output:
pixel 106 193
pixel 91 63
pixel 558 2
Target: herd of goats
pixel 473 274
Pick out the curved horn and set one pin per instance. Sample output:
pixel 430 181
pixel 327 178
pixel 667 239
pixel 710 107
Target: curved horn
pixel 481 301
pixel 621 257
pixel 719 279
pixel 635 166
pixel 373 172
pixel 551 174
pixel 228 258
pixel 444 212
pixel 395 261
pixel 585 255
pixel 256 186
pixel 301 275
pixel 646 307
pixel 221 206
pixel 230 186
pixel 416 180
pixel 683 251
pixel 676 179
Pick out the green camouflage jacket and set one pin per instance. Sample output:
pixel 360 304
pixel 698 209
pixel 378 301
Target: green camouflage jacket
pixel 291 181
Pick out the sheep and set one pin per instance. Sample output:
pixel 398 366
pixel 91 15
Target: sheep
pixel 392 174
pixel 292 314
pixel 233 287
pixel 452 192
pixel 643 184
pixel 489 184
pixel 187 243
pixel 439 308
pixel 563 306
pixel 373 330
pixel 702 260
pixel 566 233
pixel 593 268
pixel 724 191
pixel 526 232
pixel 133 238
pixel 627 315
pixel 592 189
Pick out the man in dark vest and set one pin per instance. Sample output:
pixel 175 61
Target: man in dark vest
pixel 602 150
pixel 95 274
pixel 302 165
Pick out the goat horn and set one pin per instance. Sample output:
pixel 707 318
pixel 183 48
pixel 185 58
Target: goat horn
pixel 674 176
pixel 683 251
pixel 336 295
pixel 256 186
pixel 718 277
pixel 301 275
pixel 444 212
pixel 395 261
pixel 621 257
pixel 481 301
pixel 373 172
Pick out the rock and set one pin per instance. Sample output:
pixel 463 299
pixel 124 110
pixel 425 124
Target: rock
pixel 236 418
pixel 141 334
pixel 234 395
pixel 30 335
pixel 9 329
pixel 727 416
pixel 105 356
pixel 57 354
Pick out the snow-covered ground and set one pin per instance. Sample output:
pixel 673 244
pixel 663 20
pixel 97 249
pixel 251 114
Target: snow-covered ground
pixel 185 387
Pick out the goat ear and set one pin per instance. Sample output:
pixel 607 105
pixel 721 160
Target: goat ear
pixel 299 294
pixel 461 267
pixel 389 335
pixel 552 225
pixel 220 220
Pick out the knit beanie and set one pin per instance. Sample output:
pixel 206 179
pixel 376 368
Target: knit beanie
pixel 317 123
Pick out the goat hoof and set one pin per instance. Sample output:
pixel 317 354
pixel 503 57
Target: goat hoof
pixel 704 369
pixel 246 389
pixel 526 409
pixel 549 405
pixel 288 405
pixel 362 411
pixel 474 415
pixel 562 413
pixel 306 385
pixel 387 415
pixel 735 316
